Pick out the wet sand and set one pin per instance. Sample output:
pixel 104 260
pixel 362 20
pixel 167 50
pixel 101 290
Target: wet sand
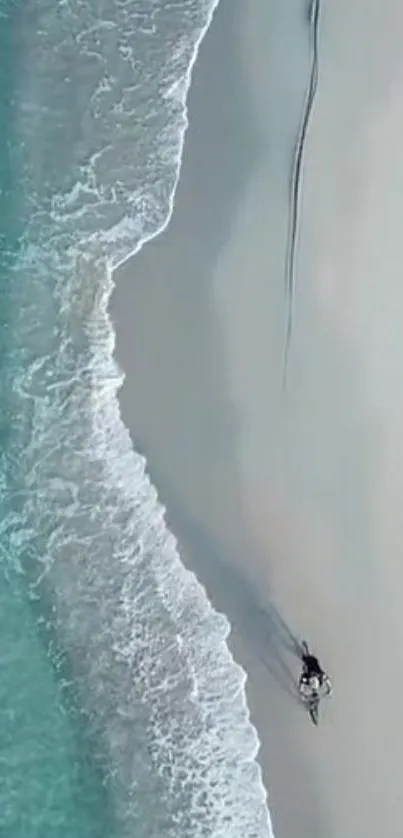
pixel 286 503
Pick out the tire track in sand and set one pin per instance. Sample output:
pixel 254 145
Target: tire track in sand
pixel 296 182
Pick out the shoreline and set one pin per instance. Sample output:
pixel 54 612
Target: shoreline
pixel 233 142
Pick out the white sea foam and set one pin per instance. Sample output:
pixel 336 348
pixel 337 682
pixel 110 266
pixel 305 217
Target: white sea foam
pixel 166 699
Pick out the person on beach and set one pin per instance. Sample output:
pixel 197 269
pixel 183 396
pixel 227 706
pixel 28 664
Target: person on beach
pixel 313 677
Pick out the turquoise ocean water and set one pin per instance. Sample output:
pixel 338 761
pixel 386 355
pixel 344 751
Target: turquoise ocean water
pixel 122 712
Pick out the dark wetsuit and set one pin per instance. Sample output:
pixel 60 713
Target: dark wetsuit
pixel 312 666
pixel 311 669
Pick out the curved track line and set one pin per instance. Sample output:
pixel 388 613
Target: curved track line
pixel 296 180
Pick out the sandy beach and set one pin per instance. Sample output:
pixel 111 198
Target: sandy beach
pixel 287 502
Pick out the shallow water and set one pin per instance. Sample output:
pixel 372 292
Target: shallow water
pixel 124 711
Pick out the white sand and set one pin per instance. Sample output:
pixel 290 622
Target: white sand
pixel 301 493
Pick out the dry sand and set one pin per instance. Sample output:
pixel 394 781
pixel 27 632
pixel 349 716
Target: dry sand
pixel 288 504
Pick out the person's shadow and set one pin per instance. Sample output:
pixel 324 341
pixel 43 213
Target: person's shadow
pixel 280 641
